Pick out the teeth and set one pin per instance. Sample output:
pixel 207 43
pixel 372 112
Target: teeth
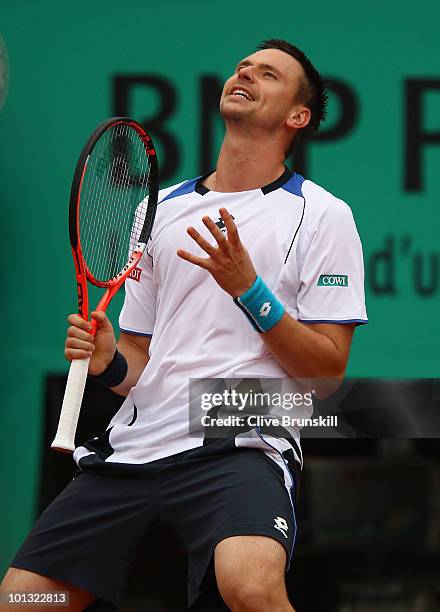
pixel 240 92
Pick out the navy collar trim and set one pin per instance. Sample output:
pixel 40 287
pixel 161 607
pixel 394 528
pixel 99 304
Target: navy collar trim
pixel 279 182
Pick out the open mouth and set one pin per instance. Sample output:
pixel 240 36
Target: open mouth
pixel 242 93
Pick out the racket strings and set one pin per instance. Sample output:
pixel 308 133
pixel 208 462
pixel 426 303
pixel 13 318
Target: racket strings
pixel 116 169
pixel 106 168
pixel 114 199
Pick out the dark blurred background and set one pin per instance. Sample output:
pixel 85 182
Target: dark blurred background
pixel 369 529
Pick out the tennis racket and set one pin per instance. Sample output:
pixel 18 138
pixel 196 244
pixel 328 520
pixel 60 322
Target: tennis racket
pixel 112 206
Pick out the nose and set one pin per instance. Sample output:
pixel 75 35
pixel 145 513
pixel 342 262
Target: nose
pixel 245 72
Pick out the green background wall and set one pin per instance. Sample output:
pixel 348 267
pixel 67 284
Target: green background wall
pixel 63 57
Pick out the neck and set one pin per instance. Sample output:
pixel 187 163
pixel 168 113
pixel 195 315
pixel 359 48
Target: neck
pixel 246 162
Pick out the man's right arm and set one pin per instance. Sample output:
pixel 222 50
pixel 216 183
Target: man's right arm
pixel 135 350
pixel 101 349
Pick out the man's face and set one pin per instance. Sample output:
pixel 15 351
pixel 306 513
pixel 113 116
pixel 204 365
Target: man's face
pixel 263 89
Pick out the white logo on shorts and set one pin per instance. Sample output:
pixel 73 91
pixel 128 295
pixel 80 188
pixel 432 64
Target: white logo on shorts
pixel 281 525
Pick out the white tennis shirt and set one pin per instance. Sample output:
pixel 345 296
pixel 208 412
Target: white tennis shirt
pixel 304 244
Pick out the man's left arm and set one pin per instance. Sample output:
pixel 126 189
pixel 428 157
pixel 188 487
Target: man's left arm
pixel 314 350
pixel 304 350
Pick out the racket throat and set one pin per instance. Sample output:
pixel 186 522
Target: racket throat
pixel 116 284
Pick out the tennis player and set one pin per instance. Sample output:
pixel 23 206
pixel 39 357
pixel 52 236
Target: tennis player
pixel 252 271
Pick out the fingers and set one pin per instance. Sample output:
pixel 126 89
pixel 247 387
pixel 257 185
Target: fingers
pixel 215 231
pixel 223 242
pixel 77 321
pixel 77 344
pixel 102 321
pixel 201 241
pixel 78 349
pixel 71 354
pixel 99 319
pixel 231 228
pixel 232 232
pixel 80 341
pixel 77 332
pixel 198 261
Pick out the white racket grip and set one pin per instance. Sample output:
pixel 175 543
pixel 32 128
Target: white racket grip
pixel 64 440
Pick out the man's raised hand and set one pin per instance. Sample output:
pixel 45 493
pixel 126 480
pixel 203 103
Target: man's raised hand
pixel 228 262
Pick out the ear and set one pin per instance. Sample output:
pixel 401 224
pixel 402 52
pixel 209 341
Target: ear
pixel 299 117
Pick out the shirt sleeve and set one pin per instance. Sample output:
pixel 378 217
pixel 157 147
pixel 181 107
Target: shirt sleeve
pixel 138 313
pixel 332 274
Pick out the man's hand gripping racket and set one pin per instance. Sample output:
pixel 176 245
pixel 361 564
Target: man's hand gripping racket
pixel 111 213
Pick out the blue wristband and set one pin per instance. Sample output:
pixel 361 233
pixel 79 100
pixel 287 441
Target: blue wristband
pixel 114 373
pixel 260 306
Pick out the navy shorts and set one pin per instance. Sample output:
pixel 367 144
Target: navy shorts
pixel 88 536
